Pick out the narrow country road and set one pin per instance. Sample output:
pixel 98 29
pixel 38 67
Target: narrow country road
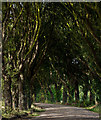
pixel 63 112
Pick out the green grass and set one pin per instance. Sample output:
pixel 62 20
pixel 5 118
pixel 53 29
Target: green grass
pixel 13 113
pixel 29 113
pixel 94 109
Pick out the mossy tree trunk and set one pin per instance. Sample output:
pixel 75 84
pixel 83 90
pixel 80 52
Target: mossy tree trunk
pixel 64 94
pixel 76 91
pixel 58 91
pixel 7 94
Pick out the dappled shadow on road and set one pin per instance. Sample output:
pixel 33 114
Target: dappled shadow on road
pixel 27 118
pixel 62 112
pixel 65 118
pixel 61 116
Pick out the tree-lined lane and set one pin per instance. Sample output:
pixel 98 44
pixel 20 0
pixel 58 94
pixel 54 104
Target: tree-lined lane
pixel 51 52
pixel 62 112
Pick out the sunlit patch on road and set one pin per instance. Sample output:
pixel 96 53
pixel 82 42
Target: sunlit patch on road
pixel 65 112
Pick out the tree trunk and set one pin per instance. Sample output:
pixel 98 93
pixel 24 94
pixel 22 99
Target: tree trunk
pixel 35 97
pixel 92 97
pixel 15 98
pixel 58 92
pixel 71 94
pixel 76 91
pixel 51 93
pixel 24 96
pixel 7 94
pixel 21 92
pixel 29 99
pixel 64 94
pixel 85 91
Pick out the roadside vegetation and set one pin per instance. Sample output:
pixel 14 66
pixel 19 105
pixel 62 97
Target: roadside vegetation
pixel 95 108
pixel 18 114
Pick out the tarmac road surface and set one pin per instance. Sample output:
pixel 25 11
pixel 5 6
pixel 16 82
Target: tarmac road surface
pixel 64 112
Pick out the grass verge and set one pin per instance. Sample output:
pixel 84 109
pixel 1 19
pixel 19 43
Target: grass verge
pixel 94 108
pixel 15 114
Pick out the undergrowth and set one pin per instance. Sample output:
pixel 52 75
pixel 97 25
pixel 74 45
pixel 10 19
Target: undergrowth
pixel 19 113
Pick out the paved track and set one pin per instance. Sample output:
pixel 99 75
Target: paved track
pixel 63 112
